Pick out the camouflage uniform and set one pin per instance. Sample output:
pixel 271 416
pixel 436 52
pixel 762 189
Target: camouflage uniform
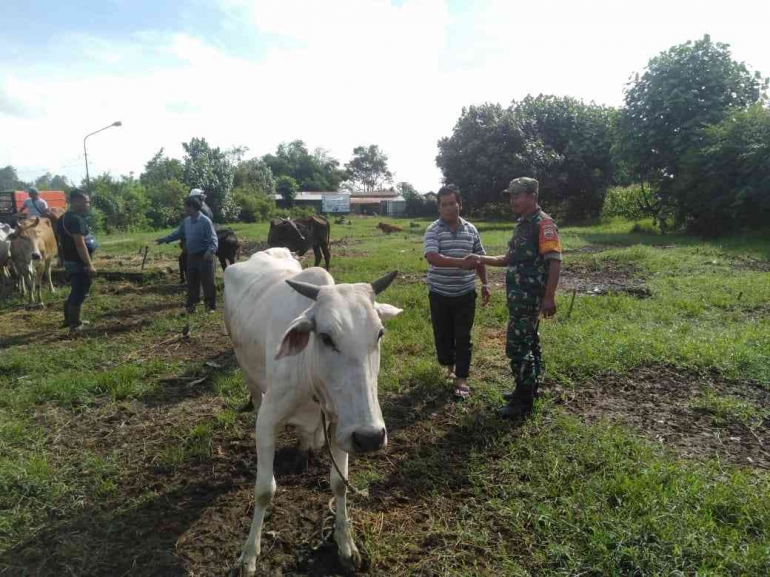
pixel 535 241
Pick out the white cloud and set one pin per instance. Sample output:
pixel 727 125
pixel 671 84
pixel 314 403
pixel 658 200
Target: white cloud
pixel 339 74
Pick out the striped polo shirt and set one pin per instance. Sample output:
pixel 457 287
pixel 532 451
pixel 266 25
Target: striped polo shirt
pixel 451 281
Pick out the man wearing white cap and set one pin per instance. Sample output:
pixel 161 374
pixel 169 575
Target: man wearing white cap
pixel 204 207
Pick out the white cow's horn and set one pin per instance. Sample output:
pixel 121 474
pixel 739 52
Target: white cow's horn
pixel 305 289
pixel 384 282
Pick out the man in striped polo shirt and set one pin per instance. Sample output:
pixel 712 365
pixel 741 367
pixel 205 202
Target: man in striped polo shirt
pixel 452 285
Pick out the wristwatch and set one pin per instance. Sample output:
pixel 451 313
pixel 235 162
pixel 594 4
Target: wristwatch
pixel 486 286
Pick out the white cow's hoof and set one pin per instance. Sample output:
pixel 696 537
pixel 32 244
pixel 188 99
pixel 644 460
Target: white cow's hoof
pixel 352 563
pixel 247 566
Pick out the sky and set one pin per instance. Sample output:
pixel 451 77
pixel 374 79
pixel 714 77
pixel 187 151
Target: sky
pixel 334 73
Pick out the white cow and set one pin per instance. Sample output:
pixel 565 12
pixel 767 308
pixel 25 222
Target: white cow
pixel 5 256
pixel 304 345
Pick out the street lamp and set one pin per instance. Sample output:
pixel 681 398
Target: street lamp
pixel 85 152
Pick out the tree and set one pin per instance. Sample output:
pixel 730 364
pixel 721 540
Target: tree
pixel 487 148
pixel 53 182
pixel 255 177
pixel 212 170
pixel 312 172
pixel 724 184
pixel 415 203
pixel 368 169
pixel 578 138
pixel 668 107
pixel 120 205
pixel 9 179
pixel 160 169
pixel 287 187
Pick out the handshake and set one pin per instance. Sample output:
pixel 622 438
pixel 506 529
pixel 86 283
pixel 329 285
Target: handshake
pixel 471 262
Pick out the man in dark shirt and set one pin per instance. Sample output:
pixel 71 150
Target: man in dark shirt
pixel 73 230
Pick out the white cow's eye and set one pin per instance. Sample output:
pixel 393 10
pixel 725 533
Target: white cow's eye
pixel 381 334
pixel 328 341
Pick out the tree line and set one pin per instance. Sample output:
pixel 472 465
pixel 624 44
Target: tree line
pixel 236 188
pixel 689 148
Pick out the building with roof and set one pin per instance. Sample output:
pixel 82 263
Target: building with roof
pixel 331 202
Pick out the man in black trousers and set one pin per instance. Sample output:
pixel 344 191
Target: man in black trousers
pixel 452 285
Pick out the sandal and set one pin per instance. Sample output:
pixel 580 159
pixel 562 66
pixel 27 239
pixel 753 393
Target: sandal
pixel 462 391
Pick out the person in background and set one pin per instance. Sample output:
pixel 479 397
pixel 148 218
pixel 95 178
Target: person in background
pixel 201 243
pixel 197 192
pixel 34 205
pixel 76 246
pixel 534 266
pixel 452 285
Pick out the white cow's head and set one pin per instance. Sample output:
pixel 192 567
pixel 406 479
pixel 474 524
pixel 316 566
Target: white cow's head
pixel 342 332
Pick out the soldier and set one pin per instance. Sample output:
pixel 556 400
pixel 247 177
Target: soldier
pixel 534 264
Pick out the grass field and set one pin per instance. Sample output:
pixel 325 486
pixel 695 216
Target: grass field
pixel 122 451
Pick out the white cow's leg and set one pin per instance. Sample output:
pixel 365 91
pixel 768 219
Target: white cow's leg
pixel 343 530
pixel 264 490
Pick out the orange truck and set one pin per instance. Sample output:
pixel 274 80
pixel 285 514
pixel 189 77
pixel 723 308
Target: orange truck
pixel 11 202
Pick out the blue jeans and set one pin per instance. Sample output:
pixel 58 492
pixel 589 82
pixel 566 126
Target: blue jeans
pixel 80 282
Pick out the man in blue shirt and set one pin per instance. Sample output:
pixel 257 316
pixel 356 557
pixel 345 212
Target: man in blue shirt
pixel 200 238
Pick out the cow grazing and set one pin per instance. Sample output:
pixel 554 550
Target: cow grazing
pixel 33 249
pixel 306 345
pixel 301 235
pixel 389 228
pixel 227 251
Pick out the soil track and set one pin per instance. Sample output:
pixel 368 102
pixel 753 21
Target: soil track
pixel 661 403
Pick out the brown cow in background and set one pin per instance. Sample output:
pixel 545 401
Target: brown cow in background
pixel 389 228
pixel 301 235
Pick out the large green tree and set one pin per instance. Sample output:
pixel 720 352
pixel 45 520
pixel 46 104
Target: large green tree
pixel 312 172
pixel 487 148
pixel 368 169
pixel 724 184
pixel 577 139
pixel 213 170
pixel 254 176
pixel 287 187
pixel 668 107
pixel 9 179
pixel 160 168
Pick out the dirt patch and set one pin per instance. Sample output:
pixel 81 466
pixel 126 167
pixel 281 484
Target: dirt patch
pixel 604 278
pixel 662 402
pixel 593 248
pixel 752 264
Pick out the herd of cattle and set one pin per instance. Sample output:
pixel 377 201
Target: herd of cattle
pixel 27 254
pixel 309 349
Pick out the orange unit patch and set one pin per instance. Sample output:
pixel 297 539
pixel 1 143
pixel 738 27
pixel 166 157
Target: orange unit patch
pixel 549 240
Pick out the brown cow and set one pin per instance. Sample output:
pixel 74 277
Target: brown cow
pixel 389 228
pixel 33 249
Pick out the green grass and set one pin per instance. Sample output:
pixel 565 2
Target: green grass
pixel 556 496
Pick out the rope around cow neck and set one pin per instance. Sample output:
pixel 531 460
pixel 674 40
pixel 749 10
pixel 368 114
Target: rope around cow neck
pixel 361 493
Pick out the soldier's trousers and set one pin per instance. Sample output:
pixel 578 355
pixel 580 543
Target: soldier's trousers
pixel 522 347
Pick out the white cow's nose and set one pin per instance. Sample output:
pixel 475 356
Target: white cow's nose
pixel 368 441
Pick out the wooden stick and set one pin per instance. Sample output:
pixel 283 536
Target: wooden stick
pixel 146 250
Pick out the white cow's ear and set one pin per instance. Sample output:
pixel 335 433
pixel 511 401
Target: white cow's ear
pixel 296 337
pixel 387 311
